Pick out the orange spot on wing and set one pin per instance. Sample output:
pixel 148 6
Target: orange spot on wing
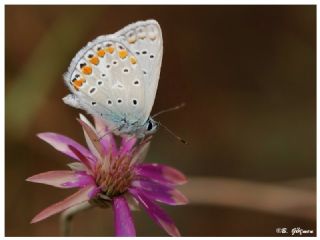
pixel 123 53
pixel 133 60
pixel 94 60
pixel 87 70
pixel 78 83
pixel 101 53
pixel 110 49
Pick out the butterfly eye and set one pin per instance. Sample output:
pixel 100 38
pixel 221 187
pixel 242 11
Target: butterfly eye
pixel 150 126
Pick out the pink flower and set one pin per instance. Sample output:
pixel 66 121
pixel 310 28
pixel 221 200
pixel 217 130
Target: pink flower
pixel 105 174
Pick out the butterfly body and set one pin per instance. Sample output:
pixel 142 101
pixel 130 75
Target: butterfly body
pixel 116 76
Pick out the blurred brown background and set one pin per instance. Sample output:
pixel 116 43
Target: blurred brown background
pixel 248 76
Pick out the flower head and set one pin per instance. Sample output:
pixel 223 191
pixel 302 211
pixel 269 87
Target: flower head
pixel 107 175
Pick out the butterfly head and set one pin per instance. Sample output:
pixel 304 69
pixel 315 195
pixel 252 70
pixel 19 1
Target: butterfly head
pixel 150 127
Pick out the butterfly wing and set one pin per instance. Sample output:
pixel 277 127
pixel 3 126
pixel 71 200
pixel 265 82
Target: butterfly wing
pixel 115 76
pixel 144 39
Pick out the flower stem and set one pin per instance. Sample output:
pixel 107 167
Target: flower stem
pixel 67 216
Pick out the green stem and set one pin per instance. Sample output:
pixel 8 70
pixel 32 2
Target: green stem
pixel 67 216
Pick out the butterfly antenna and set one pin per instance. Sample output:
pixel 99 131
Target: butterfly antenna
pixel 105 134
pixel 170 109
pixel 173 134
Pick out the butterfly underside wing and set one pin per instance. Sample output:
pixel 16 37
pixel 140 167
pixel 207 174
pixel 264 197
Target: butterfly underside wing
pixel 116 76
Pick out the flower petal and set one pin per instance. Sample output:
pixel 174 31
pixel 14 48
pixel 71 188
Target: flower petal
pixel 61 143
pixel 106 138
pixel 124 226
pixel 80 196
pixel 161 193
pixel 78 166
pixel 91 137
pixel 89 164
pixel 149 185
pixel 173 197
pixel 62 179
pixel 161 173
pixel 156 213
pixel 126 145
pixel 86 121
pixel 140 153
pixel 132 202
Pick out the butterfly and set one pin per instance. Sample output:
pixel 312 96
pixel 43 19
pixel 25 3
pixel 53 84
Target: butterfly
pixel 115 77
